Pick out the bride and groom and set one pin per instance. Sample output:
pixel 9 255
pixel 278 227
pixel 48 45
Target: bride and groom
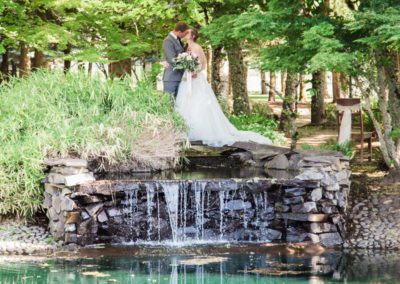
pixel 194 98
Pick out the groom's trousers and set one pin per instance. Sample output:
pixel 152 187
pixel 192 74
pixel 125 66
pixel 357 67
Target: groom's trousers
pixel 171 87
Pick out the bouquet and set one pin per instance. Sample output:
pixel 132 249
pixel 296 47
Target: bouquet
pixel 187 62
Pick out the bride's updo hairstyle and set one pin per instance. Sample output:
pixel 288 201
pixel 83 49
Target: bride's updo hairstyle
pixel 194 34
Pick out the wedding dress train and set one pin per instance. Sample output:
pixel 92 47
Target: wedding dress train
pixel 199 107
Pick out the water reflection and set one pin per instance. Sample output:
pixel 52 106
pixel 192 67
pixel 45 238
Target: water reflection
pixel 215 268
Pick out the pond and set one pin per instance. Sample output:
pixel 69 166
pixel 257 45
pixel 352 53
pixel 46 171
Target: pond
pixel 203 264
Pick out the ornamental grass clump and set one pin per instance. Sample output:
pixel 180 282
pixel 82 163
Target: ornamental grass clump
pixel 61 115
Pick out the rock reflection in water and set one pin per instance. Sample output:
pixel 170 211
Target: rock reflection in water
pixel 220 268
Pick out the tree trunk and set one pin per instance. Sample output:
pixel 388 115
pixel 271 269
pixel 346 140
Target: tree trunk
pixel 272 86
pixel 283 82
pixel 302 89
pixel 335 86
pixel 216 66
pixel 287 121
pixel 344 84
pixel 4 66
pixel 23 66
pixel 120 69
pixel 209 57
pixel 90 67
pixel 38 60
pixel 237 78
pixel 317 100
pixel 67 63
pixel 263 83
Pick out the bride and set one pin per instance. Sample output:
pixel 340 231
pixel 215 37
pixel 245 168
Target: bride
pixel 197 104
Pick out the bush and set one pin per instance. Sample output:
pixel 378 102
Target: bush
pixel 260 124
pixel 57 115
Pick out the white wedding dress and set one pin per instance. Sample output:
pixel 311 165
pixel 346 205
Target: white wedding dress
pixel 199 107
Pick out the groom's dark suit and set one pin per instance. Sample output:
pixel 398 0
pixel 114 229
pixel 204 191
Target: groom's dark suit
pixel 172 47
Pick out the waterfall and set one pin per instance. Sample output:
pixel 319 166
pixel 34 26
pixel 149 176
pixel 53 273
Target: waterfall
pixel 221 213
pixel 150 196
pixel 198 188
pixel 171 192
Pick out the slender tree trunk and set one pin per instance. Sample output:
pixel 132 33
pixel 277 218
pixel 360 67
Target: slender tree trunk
pixel 263 83
pixel 302 89
pixel 272 83
pixel 90 67
pixel 120 69
pixel 317 100
pixel 344 84
pixel 4 68
pixel 67 62
pixel 335 85
pixel 283 82
pixel 237 77
pixel 209 57
pixel 38 60
pixel 216 66
pixel 287 121
pixel 23 66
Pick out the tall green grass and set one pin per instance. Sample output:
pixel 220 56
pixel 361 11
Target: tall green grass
pixel 50 114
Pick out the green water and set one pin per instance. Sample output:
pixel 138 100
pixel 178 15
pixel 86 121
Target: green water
pixel 240 265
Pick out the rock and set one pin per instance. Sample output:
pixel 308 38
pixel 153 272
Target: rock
pixel 303 217
pixel 237 205
pixel 70 228
pixel 68 204
pixel 314 238
pixel 67 171
pixel 102 217
pixel 293 200
pixel 73 217
pixel 318 228
pixel 331 239
pixel 307 207
pixel 47 200
pixel 311 174
pixel 56 204
pixel 273 234
pixel 316 194
pixel 55 178
pixel 279 162
pixel 85 215
pixel 94 208
pixel 66 191
pixel 68 162
pixel 71 238
pixel 279 207
pixel 297 191
pixel 79 179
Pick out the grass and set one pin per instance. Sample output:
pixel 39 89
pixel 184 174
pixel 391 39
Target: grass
pixel 57 115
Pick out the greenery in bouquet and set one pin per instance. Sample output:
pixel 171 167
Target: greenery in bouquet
pixel 187 62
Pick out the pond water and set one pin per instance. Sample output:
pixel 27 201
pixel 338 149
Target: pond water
pixel 218 264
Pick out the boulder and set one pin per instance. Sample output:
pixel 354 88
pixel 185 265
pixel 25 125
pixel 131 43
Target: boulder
pixel 79 179
pixel 303 217
pixel 307 207
pixel 279 162
pixel 296 191
pixel 331 239
pixel 318 228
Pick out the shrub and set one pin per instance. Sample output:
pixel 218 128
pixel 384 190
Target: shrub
pixel 260 124
pixel 57 115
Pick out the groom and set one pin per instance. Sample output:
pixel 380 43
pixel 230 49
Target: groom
pixel 172 47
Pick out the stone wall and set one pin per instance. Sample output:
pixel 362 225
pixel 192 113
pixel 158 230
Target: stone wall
pixel 308 207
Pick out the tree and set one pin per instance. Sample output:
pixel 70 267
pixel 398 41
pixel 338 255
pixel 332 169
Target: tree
pixel 272 84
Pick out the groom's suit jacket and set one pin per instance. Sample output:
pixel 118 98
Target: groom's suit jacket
pixel 172 48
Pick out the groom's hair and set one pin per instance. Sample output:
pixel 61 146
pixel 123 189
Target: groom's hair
pixel 181 27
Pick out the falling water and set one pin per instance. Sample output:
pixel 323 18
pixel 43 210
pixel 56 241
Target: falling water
pixel 199 191
pixel 171 191
pixel 221 212
pixel 150 196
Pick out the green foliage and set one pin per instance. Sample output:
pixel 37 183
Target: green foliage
pixel 347 149
pixel 260 124
pixel 57 115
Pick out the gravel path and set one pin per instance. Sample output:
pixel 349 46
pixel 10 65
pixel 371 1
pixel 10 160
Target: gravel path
pixel 25 240
pixel 374 218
